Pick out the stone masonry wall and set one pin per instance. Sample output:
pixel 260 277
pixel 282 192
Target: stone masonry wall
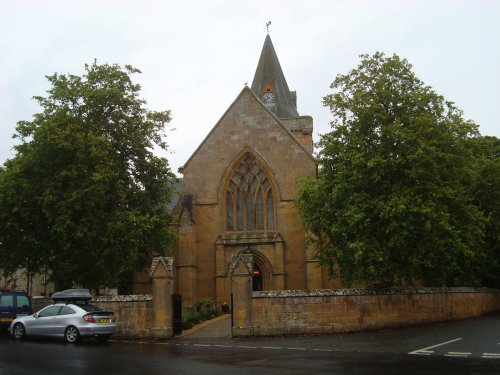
pixel 329 311
pixel 133 313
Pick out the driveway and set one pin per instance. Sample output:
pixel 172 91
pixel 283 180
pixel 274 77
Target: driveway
pixel 219 327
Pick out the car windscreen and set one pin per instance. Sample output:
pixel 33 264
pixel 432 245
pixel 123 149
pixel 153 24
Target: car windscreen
pixel 7 301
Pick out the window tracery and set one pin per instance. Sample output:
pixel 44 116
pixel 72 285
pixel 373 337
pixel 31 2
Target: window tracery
pixel 249 197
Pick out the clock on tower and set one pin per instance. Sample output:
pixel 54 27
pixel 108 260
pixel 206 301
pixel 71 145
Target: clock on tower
pixel 268 97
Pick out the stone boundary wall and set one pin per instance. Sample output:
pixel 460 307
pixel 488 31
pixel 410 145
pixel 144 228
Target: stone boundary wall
pixel 141 315
pixel 133 313
pixel 329 311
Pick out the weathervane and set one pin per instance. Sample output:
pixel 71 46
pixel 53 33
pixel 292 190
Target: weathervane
pixel 268 23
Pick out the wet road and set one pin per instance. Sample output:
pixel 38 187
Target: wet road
pixel 465 347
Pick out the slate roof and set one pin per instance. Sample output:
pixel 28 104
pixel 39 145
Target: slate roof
pixel 269 71
pixel 178 192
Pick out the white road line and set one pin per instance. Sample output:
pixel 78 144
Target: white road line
pixel 491 355
pixel 457 354
pixel 426 350
pixel 422 352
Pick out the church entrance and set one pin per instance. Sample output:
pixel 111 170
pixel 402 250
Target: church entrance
pixel 257 283
pixel 260 270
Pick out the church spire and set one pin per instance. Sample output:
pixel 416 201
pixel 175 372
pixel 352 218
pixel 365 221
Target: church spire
pixel 269 83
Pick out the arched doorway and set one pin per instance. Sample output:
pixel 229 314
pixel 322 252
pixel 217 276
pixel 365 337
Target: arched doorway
pixel 257 282
pixel 258 267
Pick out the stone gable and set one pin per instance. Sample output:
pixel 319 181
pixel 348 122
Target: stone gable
pixel 247 124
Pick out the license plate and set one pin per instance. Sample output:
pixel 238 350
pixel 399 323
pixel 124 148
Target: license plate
pixel 104 321
pixel 6 320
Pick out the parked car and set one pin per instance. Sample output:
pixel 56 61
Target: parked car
pixel 13 305
pixel 70 317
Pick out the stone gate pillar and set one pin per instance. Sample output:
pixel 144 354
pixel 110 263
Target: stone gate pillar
pixel 241 271
pixel 162 278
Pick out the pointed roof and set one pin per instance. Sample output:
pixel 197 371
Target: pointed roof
pixel 162 266
pixel 246 90
pixel 269 73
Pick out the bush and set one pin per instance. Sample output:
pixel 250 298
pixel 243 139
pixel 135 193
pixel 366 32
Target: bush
pixel 206 311
pixel 205 305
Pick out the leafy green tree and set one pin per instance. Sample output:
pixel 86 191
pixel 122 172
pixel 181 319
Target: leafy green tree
pixel 391 205
pixel 19 246
pixel 486 192
pixel 85 195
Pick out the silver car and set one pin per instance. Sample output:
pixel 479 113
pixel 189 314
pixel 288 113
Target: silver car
pixel 70 320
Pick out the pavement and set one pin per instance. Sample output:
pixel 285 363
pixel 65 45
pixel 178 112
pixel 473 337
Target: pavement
pixel 219 327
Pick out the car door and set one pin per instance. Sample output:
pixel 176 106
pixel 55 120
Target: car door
pixel 23 306
pixel 63 319
pixel 45 321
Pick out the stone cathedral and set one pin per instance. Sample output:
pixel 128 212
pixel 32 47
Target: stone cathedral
pixel 238 194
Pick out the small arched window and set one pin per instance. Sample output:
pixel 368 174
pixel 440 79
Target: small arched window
pixel 249 197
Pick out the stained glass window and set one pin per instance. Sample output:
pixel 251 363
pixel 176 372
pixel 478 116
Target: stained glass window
pixel 249 197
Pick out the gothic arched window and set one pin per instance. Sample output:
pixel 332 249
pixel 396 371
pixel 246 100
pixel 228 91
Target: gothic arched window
pixel 249 197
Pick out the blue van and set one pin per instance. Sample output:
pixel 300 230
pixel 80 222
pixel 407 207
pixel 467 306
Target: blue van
pixel 13 305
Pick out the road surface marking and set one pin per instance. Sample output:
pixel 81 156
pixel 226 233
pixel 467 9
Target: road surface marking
pixel 272 347
pixel 457 354
pixel 426 351
pixel 491 355
pixel 423 351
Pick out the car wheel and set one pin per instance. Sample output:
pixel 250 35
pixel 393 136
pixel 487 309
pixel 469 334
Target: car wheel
pixel 18 331
pixel 71 335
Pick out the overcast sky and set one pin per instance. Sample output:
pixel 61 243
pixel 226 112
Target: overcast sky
pixel 196 56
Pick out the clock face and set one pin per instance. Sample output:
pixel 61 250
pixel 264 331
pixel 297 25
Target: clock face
pixel 268 97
